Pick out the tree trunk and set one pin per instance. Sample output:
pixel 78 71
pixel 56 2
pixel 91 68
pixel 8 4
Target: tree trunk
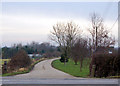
pixel 65 61
pixel 75 63
pixel 80 66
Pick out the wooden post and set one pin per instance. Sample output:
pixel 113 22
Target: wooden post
pixel 119 28
pixel 5 65
pixel 93 71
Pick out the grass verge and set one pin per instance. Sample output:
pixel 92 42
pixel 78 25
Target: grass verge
pixel 73 69
pixel 114 77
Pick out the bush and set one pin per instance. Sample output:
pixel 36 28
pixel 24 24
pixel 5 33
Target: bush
pixel 20 60
pixel 105 64
pixel 63 58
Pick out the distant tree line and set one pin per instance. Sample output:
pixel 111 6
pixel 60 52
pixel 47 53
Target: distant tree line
pixel 45 49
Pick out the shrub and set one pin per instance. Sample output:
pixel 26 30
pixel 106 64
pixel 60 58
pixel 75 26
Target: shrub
pixel 63 58
pixel 105 64
pixel 20 60
pixel 4 70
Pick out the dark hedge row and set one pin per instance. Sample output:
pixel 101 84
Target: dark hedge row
pixel 105 64
pixel 19 60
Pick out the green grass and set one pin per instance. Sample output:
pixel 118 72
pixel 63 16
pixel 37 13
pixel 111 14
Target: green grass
pixel 114 77
pixel 73 69
pixel 15 73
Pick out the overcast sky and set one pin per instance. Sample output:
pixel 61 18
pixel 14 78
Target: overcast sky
pixel 24 22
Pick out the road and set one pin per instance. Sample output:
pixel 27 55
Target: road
pixel 58 82
pixel 45 70
pixel 44 75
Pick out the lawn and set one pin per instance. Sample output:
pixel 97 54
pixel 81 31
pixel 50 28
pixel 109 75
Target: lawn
pixel 73 69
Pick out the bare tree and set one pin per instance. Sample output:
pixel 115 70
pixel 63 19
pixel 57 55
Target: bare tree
pixel 79 51
pixel 100 35
pixel 65 35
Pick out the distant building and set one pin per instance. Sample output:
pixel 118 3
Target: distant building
pixel 109 50
pixel 34 55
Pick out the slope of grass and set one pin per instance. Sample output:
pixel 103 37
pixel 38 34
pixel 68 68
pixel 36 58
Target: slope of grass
pixel 73 69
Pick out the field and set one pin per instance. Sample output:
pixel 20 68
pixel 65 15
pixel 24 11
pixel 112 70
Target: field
pixel 2 60
pixel 73 69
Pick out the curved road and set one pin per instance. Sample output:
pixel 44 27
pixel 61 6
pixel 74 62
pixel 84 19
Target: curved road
pixel 43 73
pixel 45 70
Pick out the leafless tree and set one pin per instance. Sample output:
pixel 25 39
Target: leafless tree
pixel 65 35
pixel 100 35
pixel 79 51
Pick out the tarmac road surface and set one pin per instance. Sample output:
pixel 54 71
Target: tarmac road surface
pixel 9 81
pixel 44 75
pixel 45 70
